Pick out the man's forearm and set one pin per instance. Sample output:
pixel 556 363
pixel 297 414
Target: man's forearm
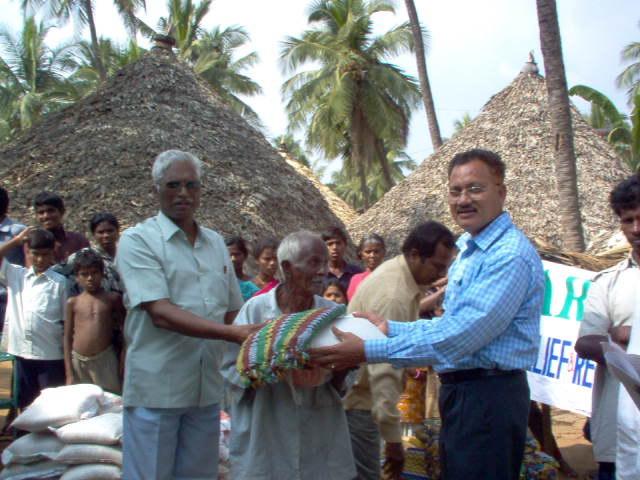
pixel 589 347
pixel 166 315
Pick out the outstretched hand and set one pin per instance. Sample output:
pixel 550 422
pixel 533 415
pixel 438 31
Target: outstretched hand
pixel 341 356
pixel 378 320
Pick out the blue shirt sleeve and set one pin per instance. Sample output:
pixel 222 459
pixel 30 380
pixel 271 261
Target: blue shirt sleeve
pixel 481 313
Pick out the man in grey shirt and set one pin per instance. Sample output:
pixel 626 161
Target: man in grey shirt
pixel 182 296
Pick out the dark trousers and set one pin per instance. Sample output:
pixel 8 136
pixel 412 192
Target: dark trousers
pixel 484 427
pixel 365 443
pixel 35 375
pixel 606 471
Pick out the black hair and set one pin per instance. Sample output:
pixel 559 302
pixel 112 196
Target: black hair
pixel 489 158
pixel 425 238
pixel 263 244
pixel 39 238
pixel 626 195
pixel 87 258
pixel 371 238
pixel 334 232
pixel 48 198
pixel 4 202
pixel 238 242
pixel 100 217
pixel 334 282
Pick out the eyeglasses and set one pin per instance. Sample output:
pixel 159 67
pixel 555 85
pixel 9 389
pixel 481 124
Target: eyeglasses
pixel 472 190
pixel 190 185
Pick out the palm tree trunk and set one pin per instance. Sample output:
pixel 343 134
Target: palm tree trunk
pixel 562 131
pixel 425 87
pixel 88 7
pixel 381 153
pixel 357 153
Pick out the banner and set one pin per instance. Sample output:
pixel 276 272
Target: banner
pixel 559 378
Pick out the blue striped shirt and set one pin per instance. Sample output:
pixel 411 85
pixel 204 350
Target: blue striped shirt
pixel 492 309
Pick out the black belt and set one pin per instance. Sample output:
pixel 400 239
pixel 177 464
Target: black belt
pixel 474 374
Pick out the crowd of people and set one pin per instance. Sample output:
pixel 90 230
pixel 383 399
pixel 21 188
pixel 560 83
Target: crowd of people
pixel 160 312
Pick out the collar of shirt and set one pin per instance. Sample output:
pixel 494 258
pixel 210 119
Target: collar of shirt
pixel 31 273
pixel 412 287
pixel 169 228
pixel 488 235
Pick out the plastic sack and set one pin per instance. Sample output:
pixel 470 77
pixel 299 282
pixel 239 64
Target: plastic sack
pixel 59 406
pixel 46 469
pixel 94 471
pixel 31 448
pixel 83 453
pixel 102 430
pixel 111 403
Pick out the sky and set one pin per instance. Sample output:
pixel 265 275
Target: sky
pixel 476 48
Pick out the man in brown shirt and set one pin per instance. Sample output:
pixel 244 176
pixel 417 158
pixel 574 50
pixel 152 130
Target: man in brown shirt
pixel 49 210
pixel 391 290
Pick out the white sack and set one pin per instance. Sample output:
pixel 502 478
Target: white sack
pixel 56 407
pixel 102 430
pixel 32 448
pixel 93 472
pixel 83 453
pixel 111 403
pixel 47 469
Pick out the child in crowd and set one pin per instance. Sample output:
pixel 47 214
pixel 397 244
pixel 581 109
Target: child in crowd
pixel 333 290
pixel 90 321
pixel 265 253
pixel 49 209
pixel 238 252
pixel 35 314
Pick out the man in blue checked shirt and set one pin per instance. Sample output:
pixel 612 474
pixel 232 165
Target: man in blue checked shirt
pixel 487 337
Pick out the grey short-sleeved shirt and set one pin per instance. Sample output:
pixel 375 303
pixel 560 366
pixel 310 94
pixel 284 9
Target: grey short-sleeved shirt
pixel 165 369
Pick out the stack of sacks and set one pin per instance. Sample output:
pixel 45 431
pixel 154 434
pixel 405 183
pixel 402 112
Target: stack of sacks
pixel 76 434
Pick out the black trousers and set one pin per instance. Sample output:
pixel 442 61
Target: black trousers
pixel 484 427
pixel 35 375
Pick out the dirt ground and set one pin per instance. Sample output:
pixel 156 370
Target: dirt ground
pixel 567 428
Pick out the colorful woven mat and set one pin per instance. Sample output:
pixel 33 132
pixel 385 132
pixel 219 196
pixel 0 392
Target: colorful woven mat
pixel 282 344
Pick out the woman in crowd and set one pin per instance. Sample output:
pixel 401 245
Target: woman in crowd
pixel 265 253
pixel 297 429
pixel 238 252
pixel 371 252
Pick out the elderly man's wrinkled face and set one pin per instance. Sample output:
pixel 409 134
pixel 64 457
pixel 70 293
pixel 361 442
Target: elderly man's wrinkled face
pixel 307 273
pixel 179 192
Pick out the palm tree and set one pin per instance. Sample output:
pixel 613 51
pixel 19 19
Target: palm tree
pixel 85 66
pixel 419 34
pixel 83 11
pixel 32 78
pixel 287 143
pixel 630 76
pixel 562 131
pixel 212 54
pixel 355 103
pixel 462 122
pixel 623 135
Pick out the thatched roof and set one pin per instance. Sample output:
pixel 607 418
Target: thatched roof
pixel 341 208
pixel 97 154
pixel 516 124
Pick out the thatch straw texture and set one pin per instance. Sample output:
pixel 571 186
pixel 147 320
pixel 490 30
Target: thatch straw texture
pixel 515 123
pixel 97 154
pixel 341 208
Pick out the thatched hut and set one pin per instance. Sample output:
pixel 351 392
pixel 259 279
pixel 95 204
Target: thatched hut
pixel 516 124
pixel 97 154
pixel 341 208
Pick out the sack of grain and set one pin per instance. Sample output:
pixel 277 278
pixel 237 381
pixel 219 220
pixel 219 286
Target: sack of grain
pixel 84 453
pixel 111 403
pixel 46 469
pixel 59 406
pixel 94 471
pixel 102 430
pixel 32 448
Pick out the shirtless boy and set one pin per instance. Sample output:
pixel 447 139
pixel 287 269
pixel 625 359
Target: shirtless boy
pixel 90 320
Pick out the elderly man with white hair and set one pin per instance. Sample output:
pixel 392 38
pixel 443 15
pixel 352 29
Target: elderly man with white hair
pixel 296 429
pixel 182 296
